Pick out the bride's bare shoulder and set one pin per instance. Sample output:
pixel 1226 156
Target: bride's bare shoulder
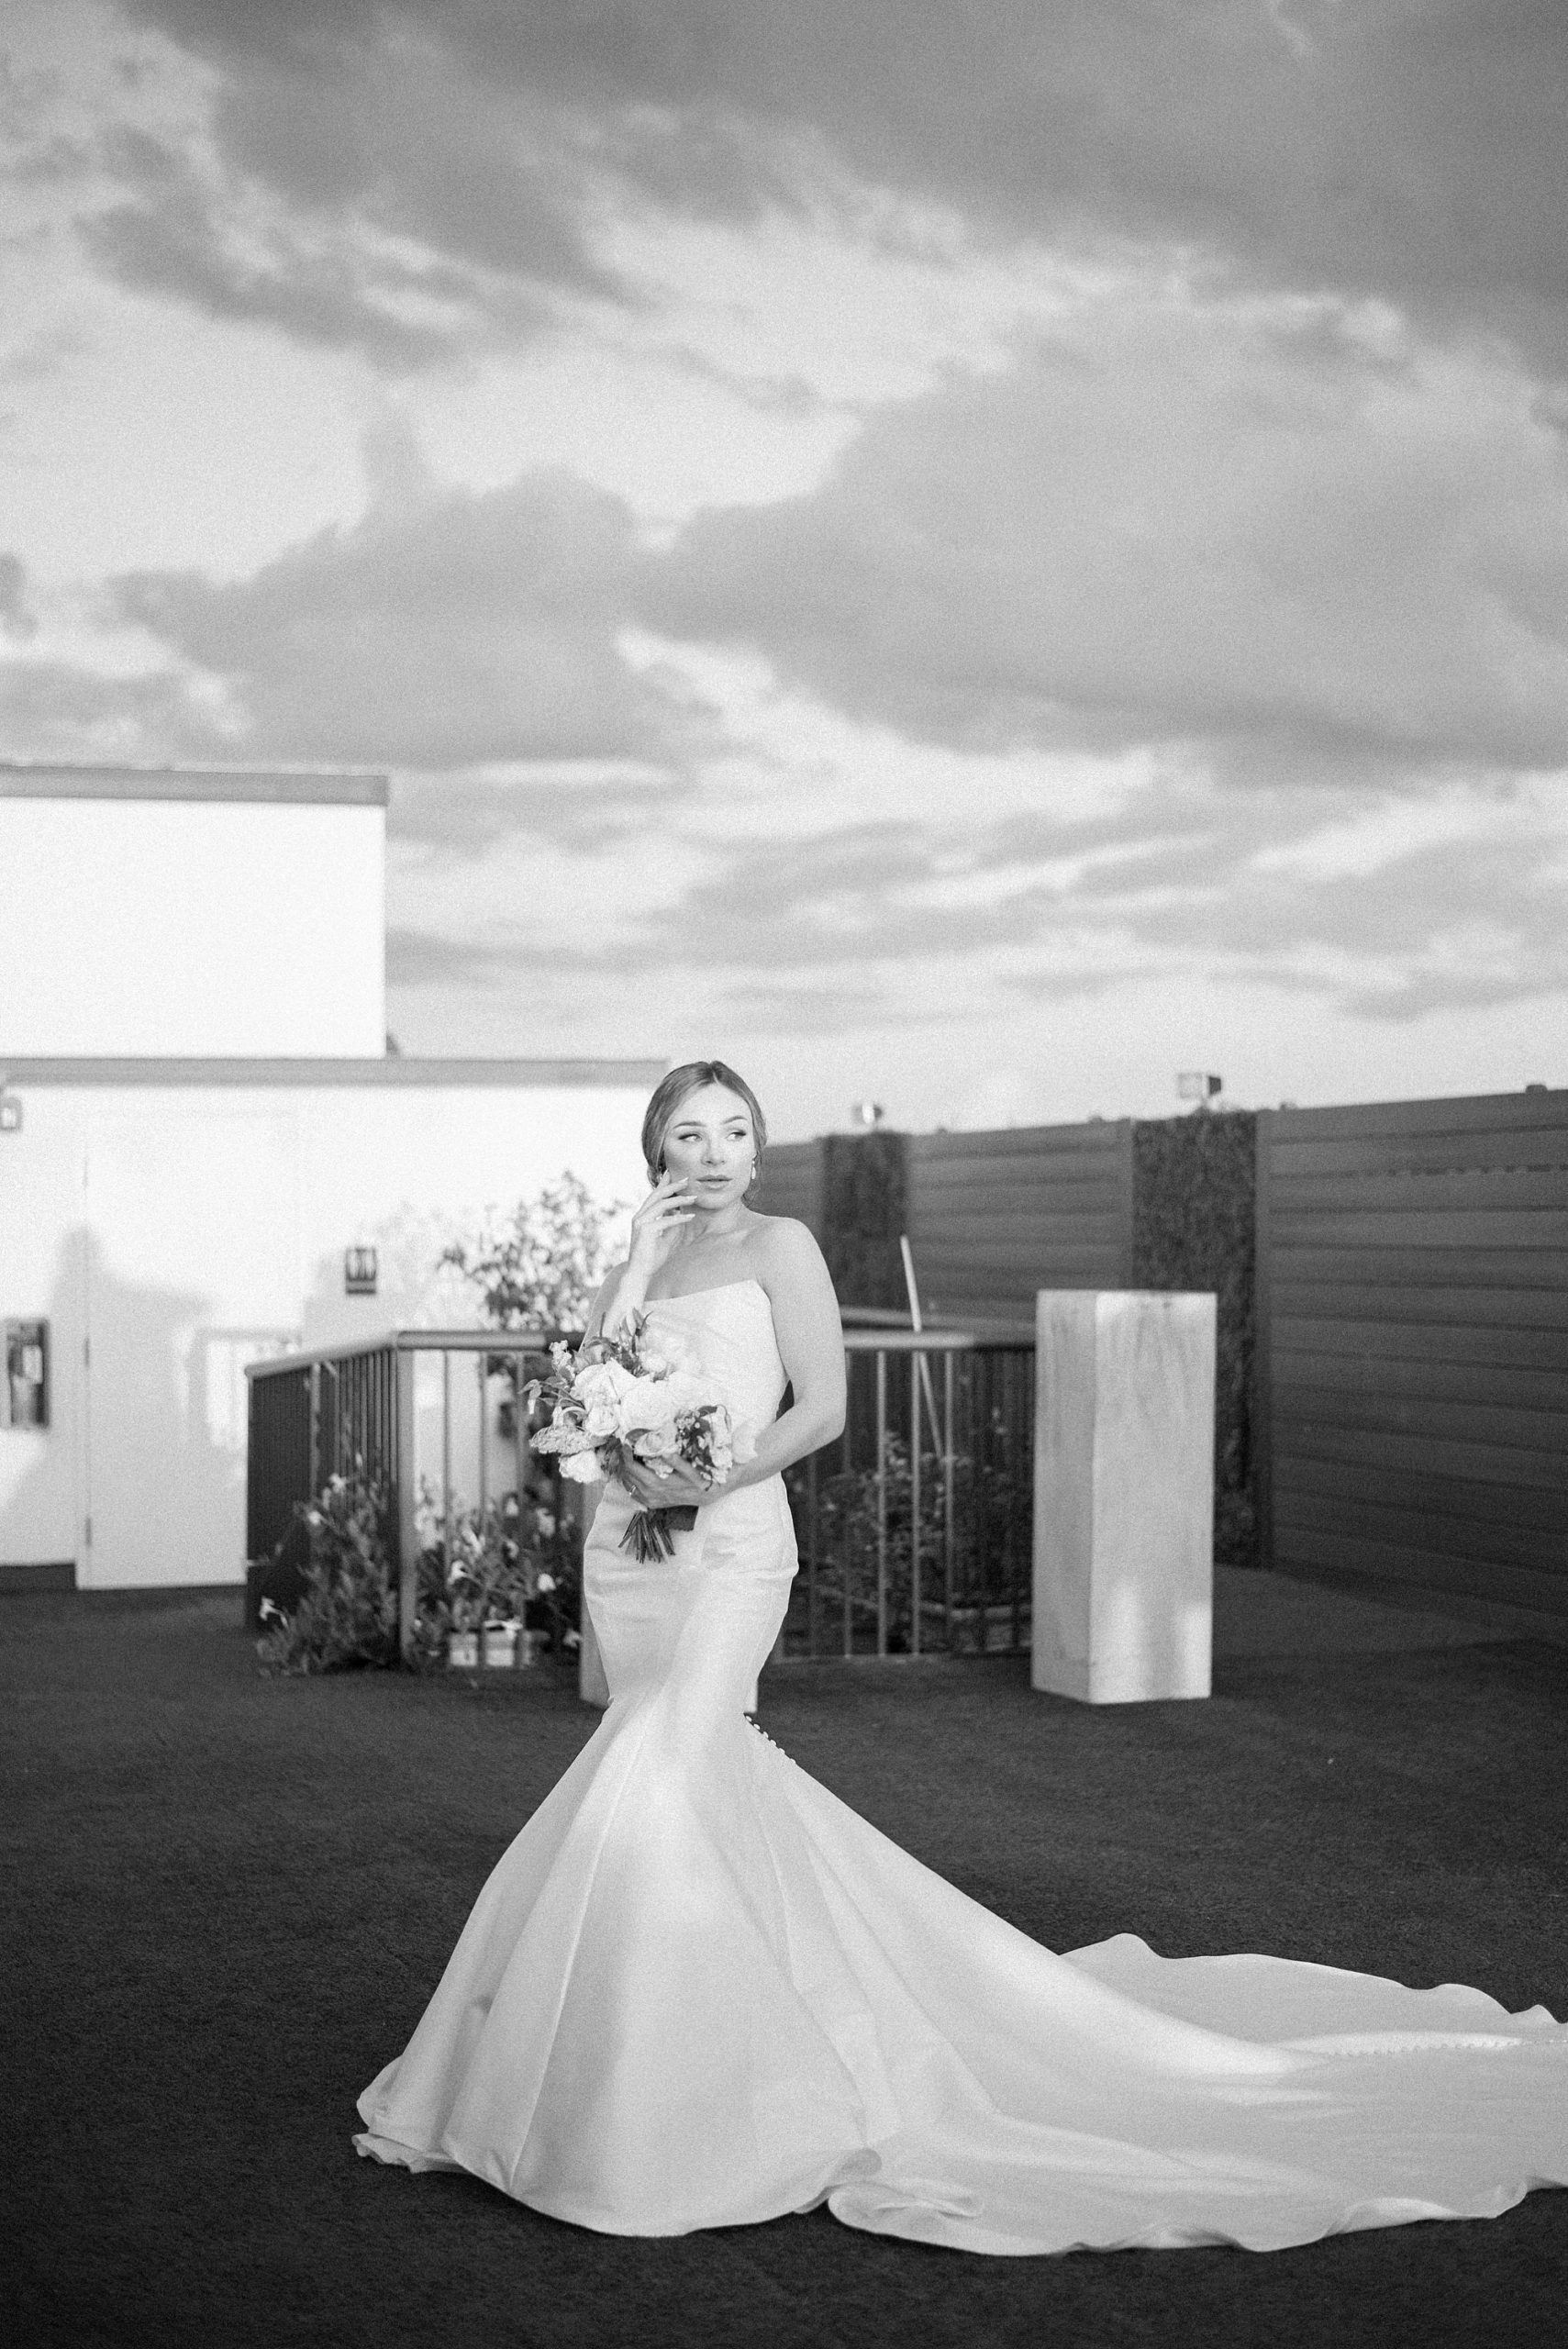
pixel 783 1235
pixel 783 1249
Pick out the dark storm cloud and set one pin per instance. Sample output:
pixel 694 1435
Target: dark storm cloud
pixel 471 629
pixel 1155 528
pixel 15 618
pixel 851 924
pixel 466 814
pixel 173 239
pixel 1406 148
pixel 52 709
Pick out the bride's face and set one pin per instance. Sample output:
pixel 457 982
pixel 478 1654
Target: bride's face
pixel 709 1141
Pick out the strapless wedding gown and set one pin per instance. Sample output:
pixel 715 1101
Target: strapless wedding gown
pixel 698 1990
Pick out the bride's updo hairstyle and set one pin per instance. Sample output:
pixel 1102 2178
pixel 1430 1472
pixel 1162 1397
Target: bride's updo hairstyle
pixel 678 1087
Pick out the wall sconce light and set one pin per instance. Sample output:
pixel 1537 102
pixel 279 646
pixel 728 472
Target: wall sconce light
pixel 24 1399
pixel 359 1272
pixel 10 1113
pixel 867 1114
pixel 1197 1084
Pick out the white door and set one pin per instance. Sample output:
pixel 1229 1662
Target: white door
pixel 193 1270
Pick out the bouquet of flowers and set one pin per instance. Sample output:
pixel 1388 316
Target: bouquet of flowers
pixel 621 1399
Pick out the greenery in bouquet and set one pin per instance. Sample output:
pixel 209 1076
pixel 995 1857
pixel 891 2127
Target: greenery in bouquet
pixel 346 1616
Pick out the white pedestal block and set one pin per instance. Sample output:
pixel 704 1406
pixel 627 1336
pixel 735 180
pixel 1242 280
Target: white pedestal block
pixel 1123 1494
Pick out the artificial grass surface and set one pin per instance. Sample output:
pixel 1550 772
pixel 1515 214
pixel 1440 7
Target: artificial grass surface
pixel 227 1899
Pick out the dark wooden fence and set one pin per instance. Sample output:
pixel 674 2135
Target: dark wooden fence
pixel 991 1216
pixel 1412 1350
pixel 1393 1406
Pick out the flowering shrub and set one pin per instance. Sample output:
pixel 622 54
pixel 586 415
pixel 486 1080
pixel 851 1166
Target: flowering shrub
pixel 346 1616
pixel 541 1267
pixel 992 1504
pixel 507 1565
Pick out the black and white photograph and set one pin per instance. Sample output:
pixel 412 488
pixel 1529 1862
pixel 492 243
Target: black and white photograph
pixel 784 1173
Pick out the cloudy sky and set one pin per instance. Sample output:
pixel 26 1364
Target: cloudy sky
pixel 972 552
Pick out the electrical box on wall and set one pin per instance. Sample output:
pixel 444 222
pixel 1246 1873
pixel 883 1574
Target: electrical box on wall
pixel 24 1401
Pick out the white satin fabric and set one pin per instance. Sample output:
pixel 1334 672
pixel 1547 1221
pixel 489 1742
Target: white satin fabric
pixel 698 1990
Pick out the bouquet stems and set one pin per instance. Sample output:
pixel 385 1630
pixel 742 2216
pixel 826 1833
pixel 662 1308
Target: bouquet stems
pixel 649 1535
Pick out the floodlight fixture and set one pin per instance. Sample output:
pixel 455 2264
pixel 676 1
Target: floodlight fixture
pixel 867 1113
pixel 1198 1084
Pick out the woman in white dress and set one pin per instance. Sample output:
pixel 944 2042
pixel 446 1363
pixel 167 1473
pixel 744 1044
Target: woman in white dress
pixel 698 1990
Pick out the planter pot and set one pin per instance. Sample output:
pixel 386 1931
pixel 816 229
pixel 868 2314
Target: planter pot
pixel 501 1644
pixel 462 1650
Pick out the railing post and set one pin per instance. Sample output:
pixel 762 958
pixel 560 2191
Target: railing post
pixel 447 1464
pixel 847 1540
pixel 881 1501
pixel 949 1541
pixel 484 1363
pixel 314 1430
pixel 917 1370
pixel 406 1493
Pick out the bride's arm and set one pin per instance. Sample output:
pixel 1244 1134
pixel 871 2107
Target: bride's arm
pixel 625 1287
pixel 811 1346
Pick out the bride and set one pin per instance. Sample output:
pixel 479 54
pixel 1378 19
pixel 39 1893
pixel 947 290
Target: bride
pixel 698 1990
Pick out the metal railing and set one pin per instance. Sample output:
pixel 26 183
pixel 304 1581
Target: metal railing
pixel 916 1527
pixel 430 1415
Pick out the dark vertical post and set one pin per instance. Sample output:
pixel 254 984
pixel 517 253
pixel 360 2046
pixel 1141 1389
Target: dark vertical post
pixel 948 1524
pixel 881 1501
pixel 916 1365
pixel 1125 1201
pixel 314 1430
pixel 404 1493
pixel 1262 1346
pixel 847 1516
pixel 447 1464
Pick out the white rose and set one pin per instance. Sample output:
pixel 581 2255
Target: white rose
pixel 654 1444
pixel 647 1402
pixel 581 1467
pixel 602 1419
pixel 602 1382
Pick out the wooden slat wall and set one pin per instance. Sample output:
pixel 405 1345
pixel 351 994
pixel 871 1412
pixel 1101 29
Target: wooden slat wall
pixel 1413 1350
pixel 792 1183
pixel 993 1216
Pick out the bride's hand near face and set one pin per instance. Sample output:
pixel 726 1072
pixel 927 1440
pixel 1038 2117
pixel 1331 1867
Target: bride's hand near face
pixel 653 1226
pixel 653 1230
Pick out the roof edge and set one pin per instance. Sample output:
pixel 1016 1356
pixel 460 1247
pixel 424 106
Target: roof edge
pixel 286 785
pixel 394 1071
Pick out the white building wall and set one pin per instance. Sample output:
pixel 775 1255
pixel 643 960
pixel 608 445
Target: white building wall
pixel 182 1228
pixel 237 916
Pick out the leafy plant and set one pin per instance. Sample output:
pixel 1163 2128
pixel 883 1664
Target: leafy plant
pixel 541 1267
pixel 992 1506
pixel 347 1615
pixel 508 1563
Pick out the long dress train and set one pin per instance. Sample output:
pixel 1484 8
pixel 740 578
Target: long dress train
pixel 698 1990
